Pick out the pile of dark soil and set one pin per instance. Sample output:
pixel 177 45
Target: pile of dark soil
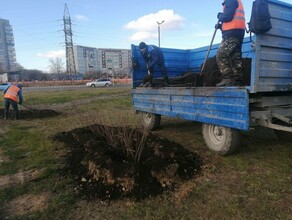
pixel 212 74
pixel 31 113
pixel 186 79
pixel 109 163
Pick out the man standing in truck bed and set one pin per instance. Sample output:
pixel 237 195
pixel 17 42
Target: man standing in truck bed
pixel 153 56
pixel 232 25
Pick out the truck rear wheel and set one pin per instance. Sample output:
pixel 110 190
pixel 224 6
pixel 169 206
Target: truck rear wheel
pixel 221 140
pixel 150 121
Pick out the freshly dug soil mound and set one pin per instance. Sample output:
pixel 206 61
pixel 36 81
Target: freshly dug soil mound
pixel 31 113
pixel 186 79
pixel 212 74
pixel 115 162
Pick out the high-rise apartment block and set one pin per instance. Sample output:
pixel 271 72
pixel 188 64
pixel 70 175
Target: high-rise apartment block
pixel 104 60
pixel 85 59
pixel 7 48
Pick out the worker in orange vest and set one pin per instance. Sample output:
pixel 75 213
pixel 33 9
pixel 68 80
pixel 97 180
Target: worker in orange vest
pixel 228 57
pixel 12 96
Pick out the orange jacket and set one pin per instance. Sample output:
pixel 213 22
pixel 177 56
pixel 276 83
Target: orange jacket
pixel 238 21
pixel 12 93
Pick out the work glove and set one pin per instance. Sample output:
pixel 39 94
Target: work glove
pixel 135 64
pixel 147 66
pixel 150 70
pixel 220 16
pixel 218 26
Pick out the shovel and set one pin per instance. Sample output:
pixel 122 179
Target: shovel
pixel 207 55
pixel 148 77
pixel 27 107
pixel 148 71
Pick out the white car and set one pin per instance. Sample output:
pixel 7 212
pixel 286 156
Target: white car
pixel 100 83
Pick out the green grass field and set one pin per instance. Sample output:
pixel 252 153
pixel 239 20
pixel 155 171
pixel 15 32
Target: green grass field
pixel 254 183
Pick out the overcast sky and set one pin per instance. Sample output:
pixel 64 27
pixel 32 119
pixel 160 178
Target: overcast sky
pixel 38 25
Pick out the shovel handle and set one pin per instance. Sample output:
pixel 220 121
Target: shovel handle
pixel 208 52
pixel 148 71
pixel 26 107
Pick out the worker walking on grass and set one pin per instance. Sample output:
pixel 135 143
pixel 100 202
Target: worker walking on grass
pixel 153 56
pixel 12 96
pixel 232 25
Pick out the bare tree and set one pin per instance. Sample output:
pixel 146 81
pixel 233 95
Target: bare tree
pixel 92 74
pixel 33 74
pixel 18 67
pixel 57 66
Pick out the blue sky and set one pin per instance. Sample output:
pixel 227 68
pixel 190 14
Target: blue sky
pixel 38 25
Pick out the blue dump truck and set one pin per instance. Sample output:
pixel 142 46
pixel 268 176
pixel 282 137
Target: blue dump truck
pixel 265 101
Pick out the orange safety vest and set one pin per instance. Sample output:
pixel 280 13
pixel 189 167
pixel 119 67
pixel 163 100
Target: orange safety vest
pixel 238 21
pixel 12 93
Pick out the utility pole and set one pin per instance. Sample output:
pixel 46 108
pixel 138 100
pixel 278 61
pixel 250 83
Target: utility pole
pixel 159 23
pixel 70 60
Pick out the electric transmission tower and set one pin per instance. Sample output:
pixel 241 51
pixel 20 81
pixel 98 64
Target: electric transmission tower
pixel 70 61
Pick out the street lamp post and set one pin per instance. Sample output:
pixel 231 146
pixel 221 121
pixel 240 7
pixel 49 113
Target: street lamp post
pixel 159 23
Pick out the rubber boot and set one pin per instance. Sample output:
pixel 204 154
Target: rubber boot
pixel 237 83
pixel 238 80
pixel 225 82
pixel 148 81
pixel 166 82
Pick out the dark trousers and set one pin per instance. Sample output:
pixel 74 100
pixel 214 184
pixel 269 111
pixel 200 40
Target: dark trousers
pixel 7 103
pixel 163 71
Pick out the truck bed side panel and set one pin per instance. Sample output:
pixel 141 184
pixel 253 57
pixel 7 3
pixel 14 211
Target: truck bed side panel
pixel 225 106
pixel 272 66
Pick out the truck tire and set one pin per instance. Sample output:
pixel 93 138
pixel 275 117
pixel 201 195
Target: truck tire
pixel 283 135
pixel 92 86
pixel 150 121
pixel 221 140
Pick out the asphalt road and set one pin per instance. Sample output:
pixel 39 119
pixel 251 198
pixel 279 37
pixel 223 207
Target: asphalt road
pixel 69 87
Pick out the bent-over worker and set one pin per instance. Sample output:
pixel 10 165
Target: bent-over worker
pixel 12 96
pixel 153 56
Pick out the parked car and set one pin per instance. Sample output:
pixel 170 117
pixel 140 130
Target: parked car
pixel 100 83
pixel 4 85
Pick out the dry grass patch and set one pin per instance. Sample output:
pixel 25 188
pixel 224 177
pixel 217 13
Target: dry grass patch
pixel 19 178
pixel 27 204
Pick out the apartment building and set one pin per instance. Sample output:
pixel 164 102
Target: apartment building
pixel 7 48
pixel 113 61
pixel 85 59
